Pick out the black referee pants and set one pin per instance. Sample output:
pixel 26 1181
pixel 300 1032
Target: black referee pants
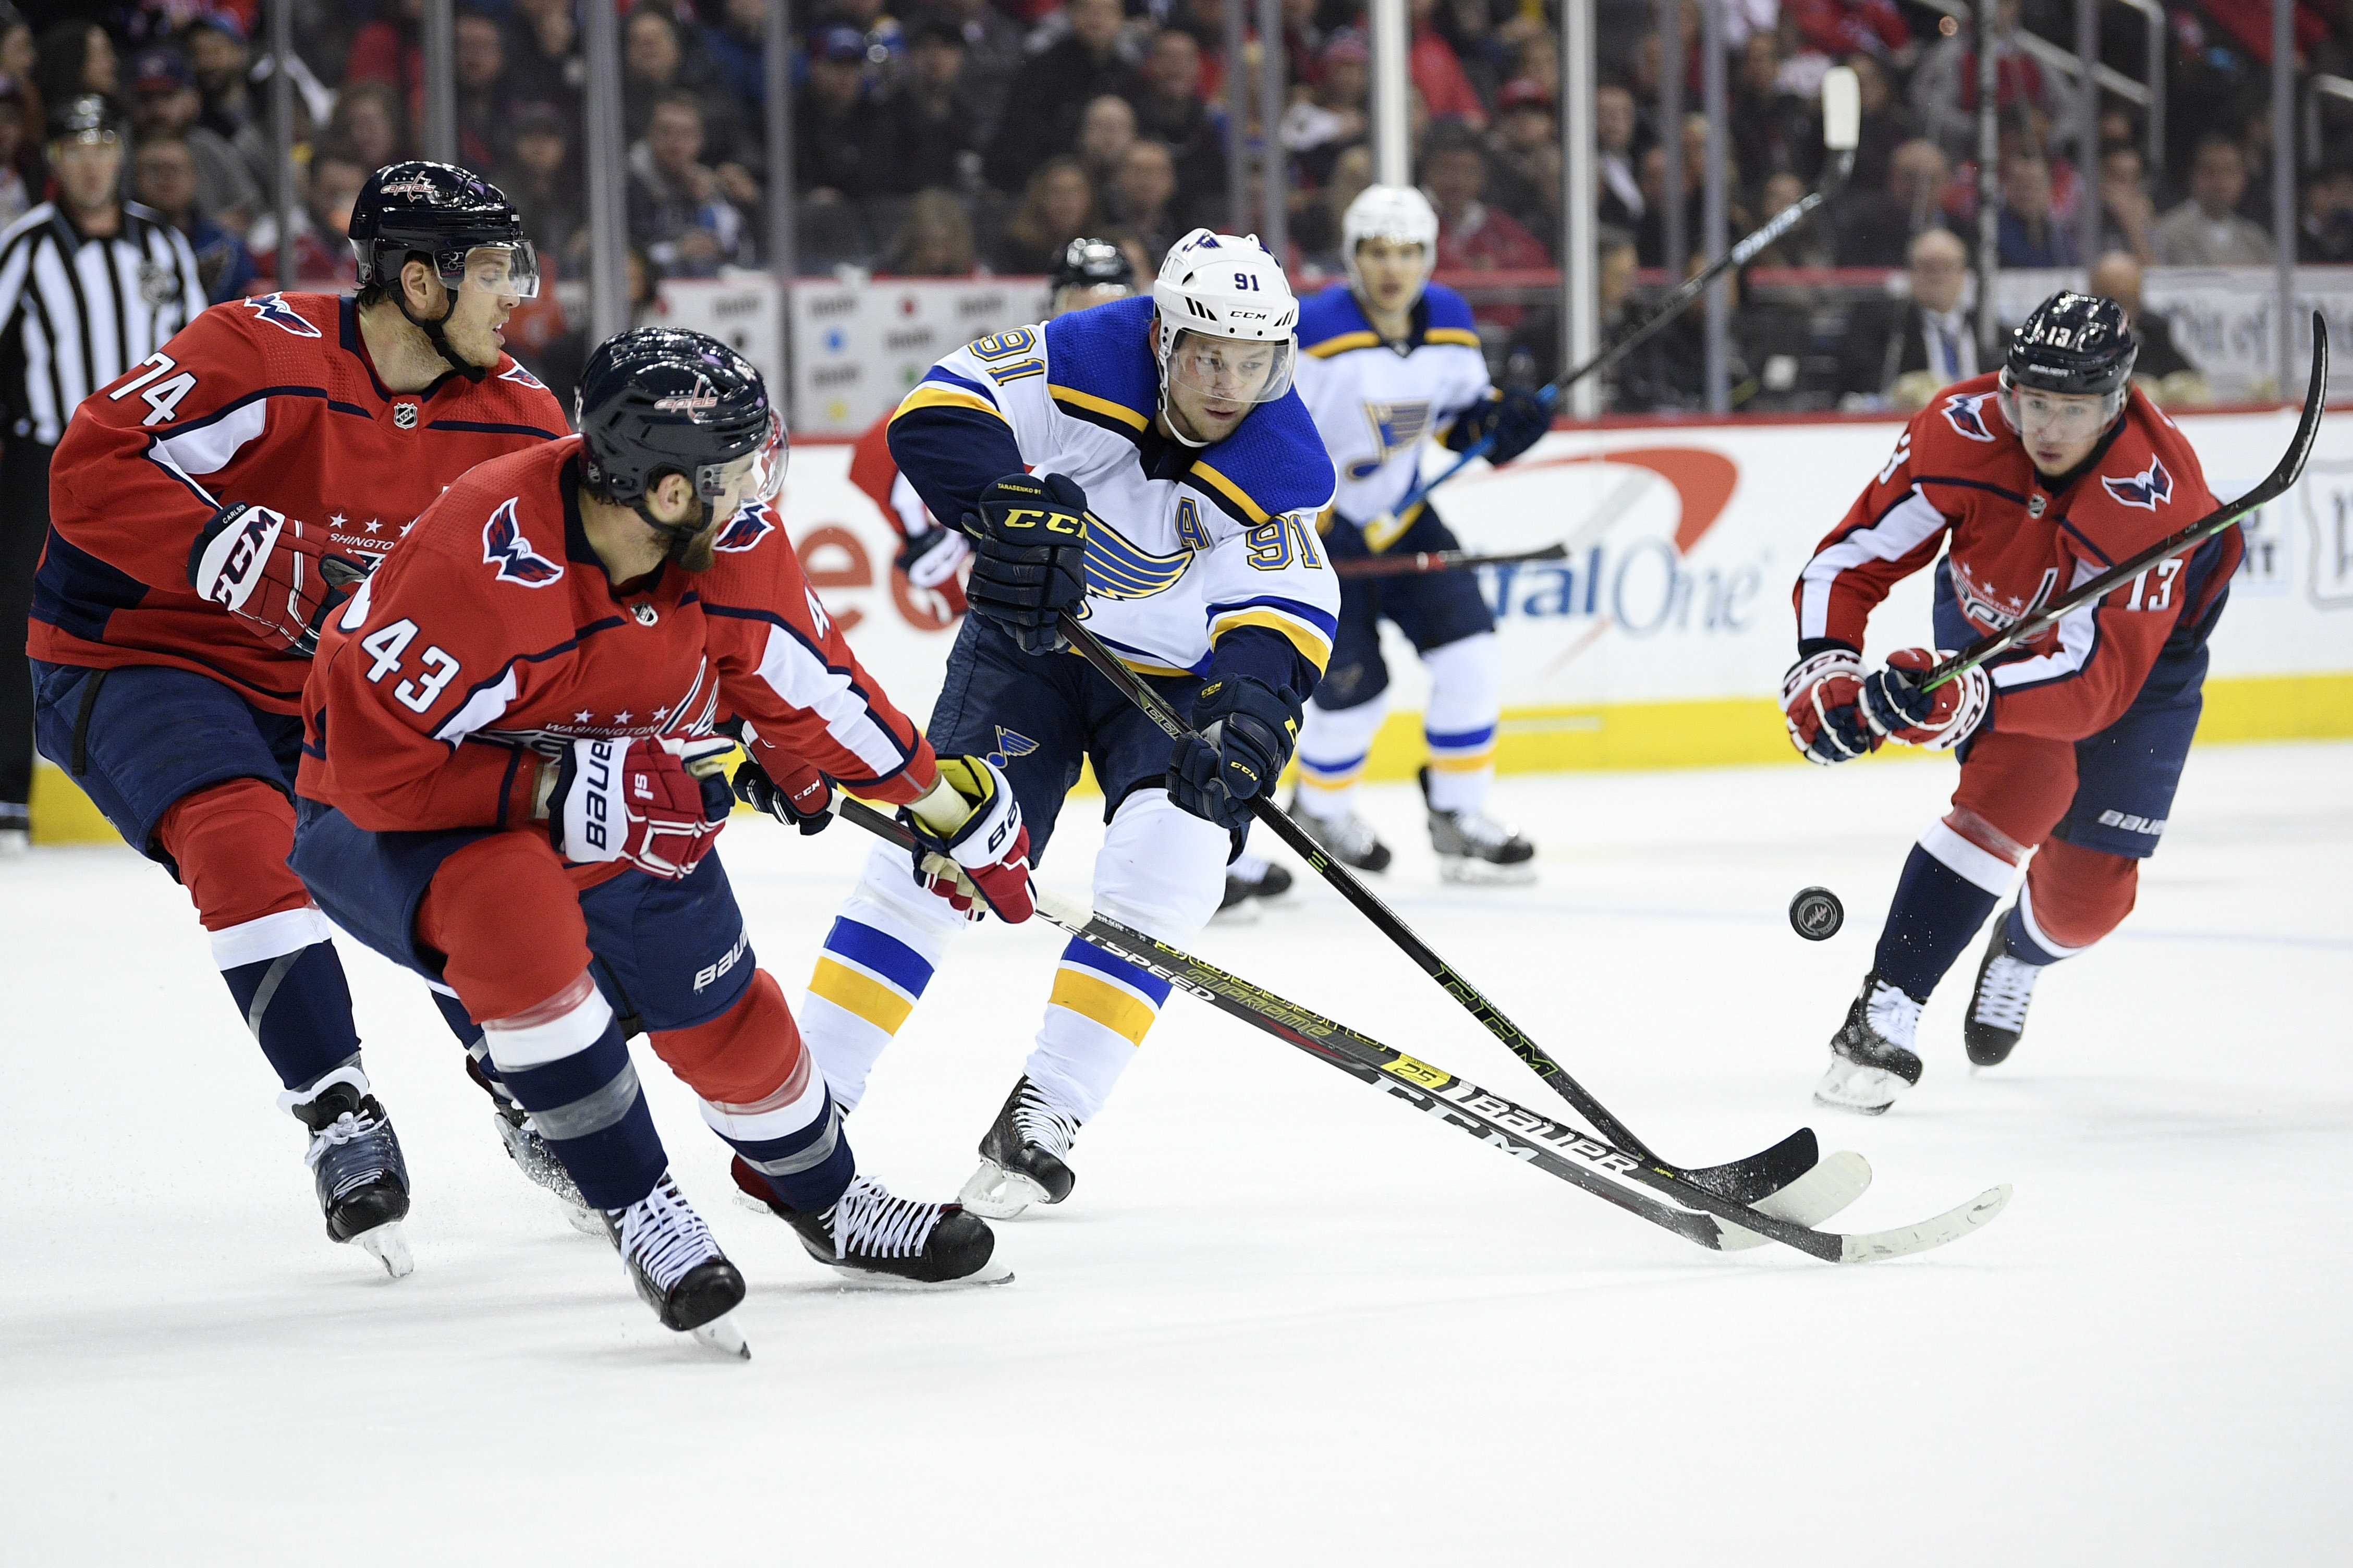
pixel 24 528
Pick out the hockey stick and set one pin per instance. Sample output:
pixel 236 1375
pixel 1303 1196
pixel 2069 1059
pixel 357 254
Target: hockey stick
pixel 1563 1151
pixel 1439 561
pixel 1742 1181
pixel 2291 467
pixel 1841 130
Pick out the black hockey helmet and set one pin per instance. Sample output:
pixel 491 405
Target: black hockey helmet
pixel 442 214
pixel 2075 344
pixel 86 116
pixel 1092 264
pixel 664 400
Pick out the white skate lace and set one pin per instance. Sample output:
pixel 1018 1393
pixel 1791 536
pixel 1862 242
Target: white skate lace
pixel 1037 1121
pixel 868 1220
pixel 1892 1015
pixel 1482 831
pixel 664 1236
pixel 348 1128
pixel 1349 836
pixel 2003 994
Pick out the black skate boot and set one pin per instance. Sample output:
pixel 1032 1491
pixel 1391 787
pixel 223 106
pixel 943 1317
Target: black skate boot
pixel 531 1156
pixel 355 1159
pixel 1250 881
pixel 1475 847
pixel 678 1268
pixel 1021 1156
pixel 1349 839
pixel 1872 1058
pixel 1996 1020
pixel 874 1238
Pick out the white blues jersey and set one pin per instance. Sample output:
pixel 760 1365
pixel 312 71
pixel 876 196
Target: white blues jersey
pixel 1190 550
pixel 1376 402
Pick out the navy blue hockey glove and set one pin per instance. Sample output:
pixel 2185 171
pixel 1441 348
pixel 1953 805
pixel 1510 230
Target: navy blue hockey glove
pixel 1029 565
pixel 1243 732
pixel 801 798
pixel 1896 707
pixel 1517 420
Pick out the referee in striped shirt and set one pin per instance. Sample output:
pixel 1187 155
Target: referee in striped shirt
pixel 89 286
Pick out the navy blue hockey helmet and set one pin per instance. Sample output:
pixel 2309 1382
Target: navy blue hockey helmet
pixel 664 400
pixel 445 216
pixel 2072 343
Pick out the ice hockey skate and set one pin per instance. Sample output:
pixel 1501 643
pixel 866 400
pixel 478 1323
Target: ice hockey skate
pixel 531 1156
pixel 1021 1156
pixel 354 1159
pixel 872 1237
pixel 1475 847
pixel 1996 1020
pixel 1872 1058
pixel 678 1268
pixel 1348 840
pixel 1252 880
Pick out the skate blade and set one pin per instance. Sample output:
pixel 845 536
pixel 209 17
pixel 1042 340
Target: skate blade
pixel 388 1246
pixel 584 1220
pixel 722 1335
pixel 1866 1091
pixel 995 1192
pixel 1834 1182
pixel 1465 871
pixel 996 1271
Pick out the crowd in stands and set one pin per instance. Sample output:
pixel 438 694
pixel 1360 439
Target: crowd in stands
pixel 947 137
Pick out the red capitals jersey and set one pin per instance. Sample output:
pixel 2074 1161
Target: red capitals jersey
pixel 493 636
pixel 1960 470
pixel 271 401
pixel 873 470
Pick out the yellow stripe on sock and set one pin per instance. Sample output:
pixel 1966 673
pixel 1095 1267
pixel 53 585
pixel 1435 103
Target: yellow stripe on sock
pixel 855 993
pixel 1116 1010
pixel 1462 761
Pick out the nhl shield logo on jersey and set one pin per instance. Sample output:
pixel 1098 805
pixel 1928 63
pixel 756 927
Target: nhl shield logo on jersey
pixel 274 310
pixel 157 284
pixel 504 547
pixel 1966 414
pixel 404 415
pixel 2148 490
pixel 750 525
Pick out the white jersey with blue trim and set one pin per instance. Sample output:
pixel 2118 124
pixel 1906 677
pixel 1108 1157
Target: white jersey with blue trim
pixel 1184 544
pixel 1374 401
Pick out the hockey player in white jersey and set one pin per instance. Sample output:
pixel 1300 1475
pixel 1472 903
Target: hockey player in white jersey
pixel 1389 360
pixel 1146 466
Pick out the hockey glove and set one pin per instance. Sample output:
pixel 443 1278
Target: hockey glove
pixel 267 569
pixel 971 843
pixel 930 558
pixel 1246 730
pixel 1820 703
pixel 1030 566
pixel 641 801
pixel 1940 719
pixel 1517 420
pixel 800 798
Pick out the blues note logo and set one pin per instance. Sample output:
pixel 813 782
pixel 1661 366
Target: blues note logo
pixel 1118 568
pixel 1396 427
pixel 504 547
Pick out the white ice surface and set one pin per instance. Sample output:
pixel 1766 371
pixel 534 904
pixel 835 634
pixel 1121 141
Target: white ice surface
pixel 1282 1320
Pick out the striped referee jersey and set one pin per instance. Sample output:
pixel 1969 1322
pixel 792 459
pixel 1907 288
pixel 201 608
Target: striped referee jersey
pixel 76 311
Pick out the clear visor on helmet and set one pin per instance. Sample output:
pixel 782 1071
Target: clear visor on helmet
pixel 2062 416
pixel 758 476
pixel 1229 370
pixel 509 271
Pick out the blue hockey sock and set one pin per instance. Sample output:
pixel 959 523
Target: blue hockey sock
pixel 299 1006
pixel 2021 942
pixel 808 1168
pixel 571 1072
pixel 1935 913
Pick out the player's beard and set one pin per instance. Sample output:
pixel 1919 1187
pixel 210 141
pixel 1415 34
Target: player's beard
pixel 695 553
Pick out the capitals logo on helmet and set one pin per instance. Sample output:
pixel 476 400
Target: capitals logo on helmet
pixel 2148 490
pixel 504 547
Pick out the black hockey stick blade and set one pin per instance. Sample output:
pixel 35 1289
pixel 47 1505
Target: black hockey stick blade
pixel 1439 561
pixel 2277 484
pixel 1743 1180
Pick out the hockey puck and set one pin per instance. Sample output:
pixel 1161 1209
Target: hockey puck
pixel 1816 914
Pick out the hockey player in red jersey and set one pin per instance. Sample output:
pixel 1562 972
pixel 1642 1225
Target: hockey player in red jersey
pixel 506 788
pixel 263 438
pixel 2033 480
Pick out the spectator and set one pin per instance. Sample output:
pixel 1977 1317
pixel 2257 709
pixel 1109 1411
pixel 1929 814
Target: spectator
pixel 1169 110
pixel 18 57
pixel 1615 157
pixel 2158 369
pixel 370 116
pixel 1771 129
pixel 2030 235
pixel 1945 88
pixel 544 57
pixel 2128 215
pixel 541 179
pixel 2325 231
pixel 164 105
pixel 1317 129
pixel 390 49
pixel 846 144
pixel 1105 133
pixel 163 178
pixel 1839 28
pixel 1899 354
pixel 2207 230
pixel 14 196
pixel 1524 156
pixel 1052 90
pixel 935 145
pixel 679 216
pixel 738 47
pixel 1487 58
pixel 1875 227
pixel 656 61
pixel 1315 215
pixel 478 66
pixel 992 58
pixel 75 57
pixel 1057 207
pixel 1886 123
pixel 1677 379
pixel 323 222
pixel 934 239
pixel 1810 243
pixel 1472 236
pixel 1437 74
pixel 1143 199
pixel 218 54
pixel 1650 235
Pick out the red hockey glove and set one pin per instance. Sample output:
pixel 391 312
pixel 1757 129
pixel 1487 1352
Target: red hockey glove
pixel 1939 720
pixel 264 567
pixel 637 800
pixel 1820 703
pixel 972 842
pixel 930 558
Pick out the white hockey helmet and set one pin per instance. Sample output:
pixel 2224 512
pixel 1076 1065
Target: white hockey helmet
pixel 1398 213
pixel 1227 321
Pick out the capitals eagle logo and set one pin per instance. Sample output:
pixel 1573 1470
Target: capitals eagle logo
pixel 1966 414
pixel 274 310
pixel 745 528
pixel 2148 490
pixel 504 547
